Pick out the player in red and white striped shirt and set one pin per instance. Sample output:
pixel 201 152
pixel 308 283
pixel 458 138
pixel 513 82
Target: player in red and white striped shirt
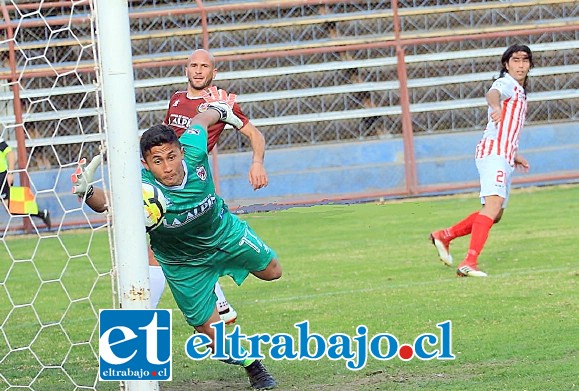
pixel 496 159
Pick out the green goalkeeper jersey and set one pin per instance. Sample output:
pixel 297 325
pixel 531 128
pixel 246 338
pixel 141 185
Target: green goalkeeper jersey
pixel 196 218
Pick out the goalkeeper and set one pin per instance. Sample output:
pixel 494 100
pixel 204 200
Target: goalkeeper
pixel 211 242
pixel 200 72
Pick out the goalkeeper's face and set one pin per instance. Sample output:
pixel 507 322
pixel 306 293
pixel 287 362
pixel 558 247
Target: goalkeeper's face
pixel 166 163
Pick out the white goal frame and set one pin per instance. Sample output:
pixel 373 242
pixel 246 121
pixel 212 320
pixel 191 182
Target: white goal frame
pixel 122 144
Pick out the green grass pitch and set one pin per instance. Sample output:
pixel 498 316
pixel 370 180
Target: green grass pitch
pixel 344 266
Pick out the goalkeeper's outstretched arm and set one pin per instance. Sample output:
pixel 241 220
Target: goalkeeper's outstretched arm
pixel 98 201
pixel 82 186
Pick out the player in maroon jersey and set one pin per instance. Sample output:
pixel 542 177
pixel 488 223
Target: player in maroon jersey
pixel 184 105
pixel 496 159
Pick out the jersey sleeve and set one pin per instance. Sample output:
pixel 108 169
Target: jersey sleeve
pixel 503 86
pixel 4 148
pixel 196 137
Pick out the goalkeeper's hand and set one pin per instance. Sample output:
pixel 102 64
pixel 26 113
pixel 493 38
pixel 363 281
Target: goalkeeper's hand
pixel 83 176
pixel 222 102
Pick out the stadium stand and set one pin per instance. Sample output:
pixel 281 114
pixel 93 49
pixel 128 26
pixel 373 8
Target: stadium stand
pixel 289 62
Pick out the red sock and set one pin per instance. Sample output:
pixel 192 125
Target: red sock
pixel 480 232
pixel 462 228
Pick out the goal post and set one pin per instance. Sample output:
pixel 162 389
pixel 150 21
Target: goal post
pixel 54 281
pixel 122 144
pixel 122 148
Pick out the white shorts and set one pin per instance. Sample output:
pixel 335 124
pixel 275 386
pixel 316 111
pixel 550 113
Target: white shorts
pixel 495 175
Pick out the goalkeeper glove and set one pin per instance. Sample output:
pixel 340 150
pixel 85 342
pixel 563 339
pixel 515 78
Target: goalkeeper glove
pixel 83 176
pixel 222 102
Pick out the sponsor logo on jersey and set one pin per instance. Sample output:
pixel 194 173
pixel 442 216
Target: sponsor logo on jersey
pixel 179 121
pixel 201 173
pixel 176 103
pixel 202 107
pixel 203 207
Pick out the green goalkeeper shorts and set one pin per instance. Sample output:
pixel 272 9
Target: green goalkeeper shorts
pixel 192 282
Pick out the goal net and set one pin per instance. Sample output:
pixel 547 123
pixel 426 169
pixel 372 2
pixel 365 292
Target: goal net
pixel 55 273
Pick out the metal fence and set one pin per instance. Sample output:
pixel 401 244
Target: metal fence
pixel 307 72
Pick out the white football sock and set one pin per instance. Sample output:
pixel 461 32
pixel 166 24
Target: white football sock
pixel 157 284
pixel 222 303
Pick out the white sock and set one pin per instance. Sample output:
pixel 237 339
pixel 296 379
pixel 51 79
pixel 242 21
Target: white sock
pixel 157 284
pixel 222 303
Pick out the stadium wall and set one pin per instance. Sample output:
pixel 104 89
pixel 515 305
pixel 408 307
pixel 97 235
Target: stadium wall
pixel 357 170
pixel 375 169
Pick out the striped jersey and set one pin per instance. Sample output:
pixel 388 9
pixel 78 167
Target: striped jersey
pixel 182 108
pixel 503 140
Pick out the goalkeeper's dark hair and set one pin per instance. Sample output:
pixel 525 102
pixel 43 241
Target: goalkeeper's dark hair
pixel 507 56
pixel 156 136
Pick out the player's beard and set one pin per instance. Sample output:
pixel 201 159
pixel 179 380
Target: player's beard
pixel 206 84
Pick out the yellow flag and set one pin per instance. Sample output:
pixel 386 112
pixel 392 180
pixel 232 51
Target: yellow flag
pixel 22 201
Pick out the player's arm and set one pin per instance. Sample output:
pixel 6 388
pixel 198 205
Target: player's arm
pixel 207 118
pixel 82 179
pixel 98 201
pixel 257 174
pixel 11 159
pixel 221 102
pixel 217 111
pixel 493 98
pixel 521 163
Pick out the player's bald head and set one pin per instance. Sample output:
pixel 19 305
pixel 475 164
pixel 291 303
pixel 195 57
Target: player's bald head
pixel 200 71
pixel 202 56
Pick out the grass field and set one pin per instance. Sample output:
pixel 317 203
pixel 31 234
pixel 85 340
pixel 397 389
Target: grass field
pixel 346 265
